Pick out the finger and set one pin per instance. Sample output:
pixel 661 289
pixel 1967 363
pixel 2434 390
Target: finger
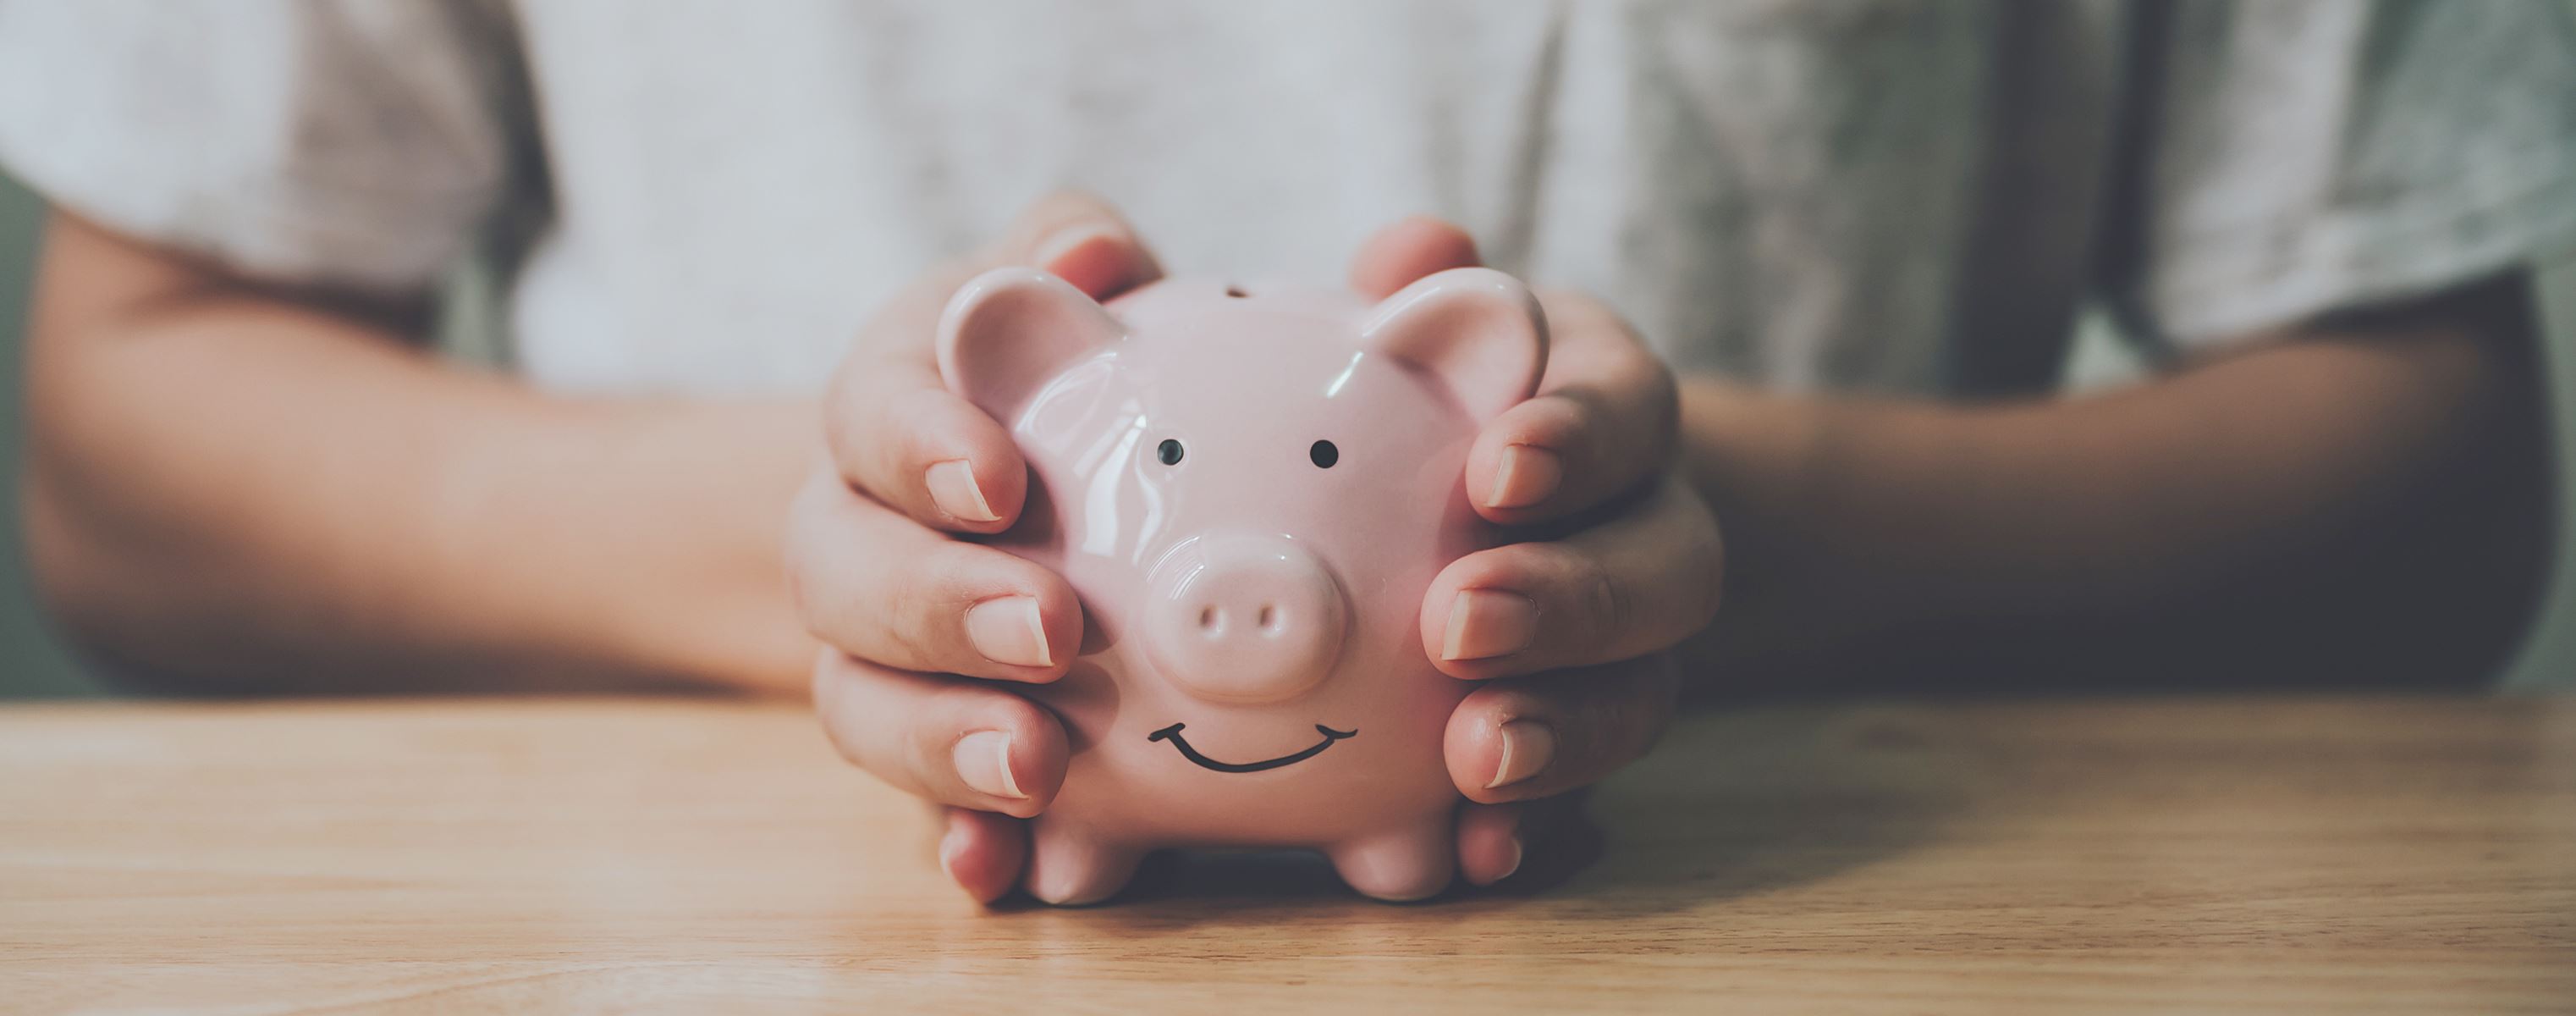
pixel 1638 583
pixel 895 431
pixel 983 852
pixel 1604 419
pixel 899 435
pixel 1531 738
pixel 1078 237
pixel 1607 410
pixel 879 587
pixel 1496 840
pixel 950 742
pixel 1399 254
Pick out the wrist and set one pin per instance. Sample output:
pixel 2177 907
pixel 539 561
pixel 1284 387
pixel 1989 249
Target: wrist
pixel 647 536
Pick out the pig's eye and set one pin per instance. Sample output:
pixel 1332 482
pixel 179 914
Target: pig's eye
pixel 1169 451
pixel 1324 454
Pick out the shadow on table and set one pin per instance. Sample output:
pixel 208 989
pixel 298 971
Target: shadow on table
pixel 1730 805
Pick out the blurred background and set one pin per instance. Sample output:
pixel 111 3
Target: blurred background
pixel 33 664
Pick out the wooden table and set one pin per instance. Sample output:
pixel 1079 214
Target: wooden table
pixel 2391 855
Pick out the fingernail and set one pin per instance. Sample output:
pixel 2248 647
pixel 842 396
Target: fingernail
pixel 1515 863
pixel 1528 746
pixel 984 761
pixel 1008 630
pixel 1489 622
pixel 1526 475
pixel 953 488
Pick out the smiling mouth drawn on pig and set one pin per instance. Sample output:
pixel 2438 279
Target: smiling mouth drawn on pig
pixel 1173 734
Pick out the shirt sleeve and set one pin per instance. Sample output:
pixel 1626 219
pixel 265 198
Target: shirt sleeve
pixel 310 141
pixel 2302 156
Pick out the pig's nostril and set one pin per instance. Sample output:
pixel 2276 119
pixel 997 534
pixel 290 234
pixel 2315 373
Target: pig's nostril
pixel 1242 619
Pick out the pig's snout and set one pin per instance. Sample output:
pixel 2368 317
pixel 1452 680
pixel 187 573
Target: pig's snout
pixel 1244 619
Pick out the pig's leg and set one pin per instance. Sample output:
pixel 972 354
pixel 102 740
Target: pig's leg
pixel 1070 866
pixel 1406 863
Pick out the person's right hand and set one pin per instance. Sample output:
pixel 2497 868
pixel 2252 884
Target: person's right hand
pixel 900 604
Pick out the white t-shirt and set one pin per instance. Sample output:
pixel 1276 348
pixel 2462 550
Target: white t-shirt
pixel 708 196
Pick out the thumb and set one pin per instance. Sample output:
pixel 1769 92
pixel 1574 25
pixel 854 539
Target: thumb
pixel 1081 239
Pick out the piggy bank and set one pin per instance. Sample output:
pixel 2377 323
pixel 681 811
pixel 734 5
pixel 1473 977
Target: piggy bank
pixel 1250 489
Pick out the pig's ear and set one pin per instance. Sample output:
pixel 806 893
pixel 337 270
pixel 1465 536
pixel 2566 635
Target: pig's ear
pixel 1011 330
pixel 1477 330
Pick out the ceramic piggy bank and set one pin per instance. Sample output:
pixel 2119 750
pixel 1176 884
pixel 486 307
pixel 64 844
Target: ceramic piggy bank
pixel 1250 490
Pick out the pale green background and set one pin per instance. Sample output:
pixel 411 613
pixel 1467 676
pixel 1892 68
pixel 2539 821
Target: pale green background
pixel 30 661
pixel 32 664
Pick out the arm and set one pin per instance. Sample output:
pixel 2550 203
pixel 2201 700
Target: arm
pixel 2352 500
pixel 233 486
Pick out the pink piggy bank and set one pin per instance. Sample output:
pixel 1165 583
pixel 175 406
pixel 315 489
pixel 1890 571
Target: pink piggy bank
pixel 1250 491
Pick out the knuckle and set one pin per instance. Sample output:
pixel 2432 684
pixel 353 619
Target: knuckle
pixel 849 420
pixel 1584 607
pixel 882 439
pixel 914 433
pixel 908 638
pixel 920 413
pixel 1643 398
pixel 1576 415
pixel 1601 599
pixel 928 619
pixel 890 617
pixel 942 712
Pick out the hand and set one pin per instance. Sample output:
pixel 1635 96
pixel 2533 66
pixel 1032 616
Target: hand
pixel 901 605
pixel 1567 632
pixel 912 728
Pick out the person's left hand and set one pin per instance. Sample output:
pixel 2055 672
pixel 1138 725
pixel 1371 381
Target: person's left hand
pixel 1566 632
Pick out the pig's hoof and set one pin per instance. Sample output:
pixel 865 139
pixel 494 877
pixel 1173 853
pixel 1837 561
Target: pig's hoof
pixel 1069 871
pixel 1398 868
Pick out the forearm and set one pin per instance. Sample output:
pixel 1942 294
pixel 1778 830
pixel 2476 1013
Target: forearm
pixel 231 489
pixel 2342 500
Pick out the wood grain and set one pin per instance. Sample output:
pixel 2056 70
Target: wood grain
pixel 2324 855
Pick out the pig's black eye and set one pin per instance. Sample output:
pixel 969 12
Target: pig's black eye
pixel 1324 454
pixel 1169 451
